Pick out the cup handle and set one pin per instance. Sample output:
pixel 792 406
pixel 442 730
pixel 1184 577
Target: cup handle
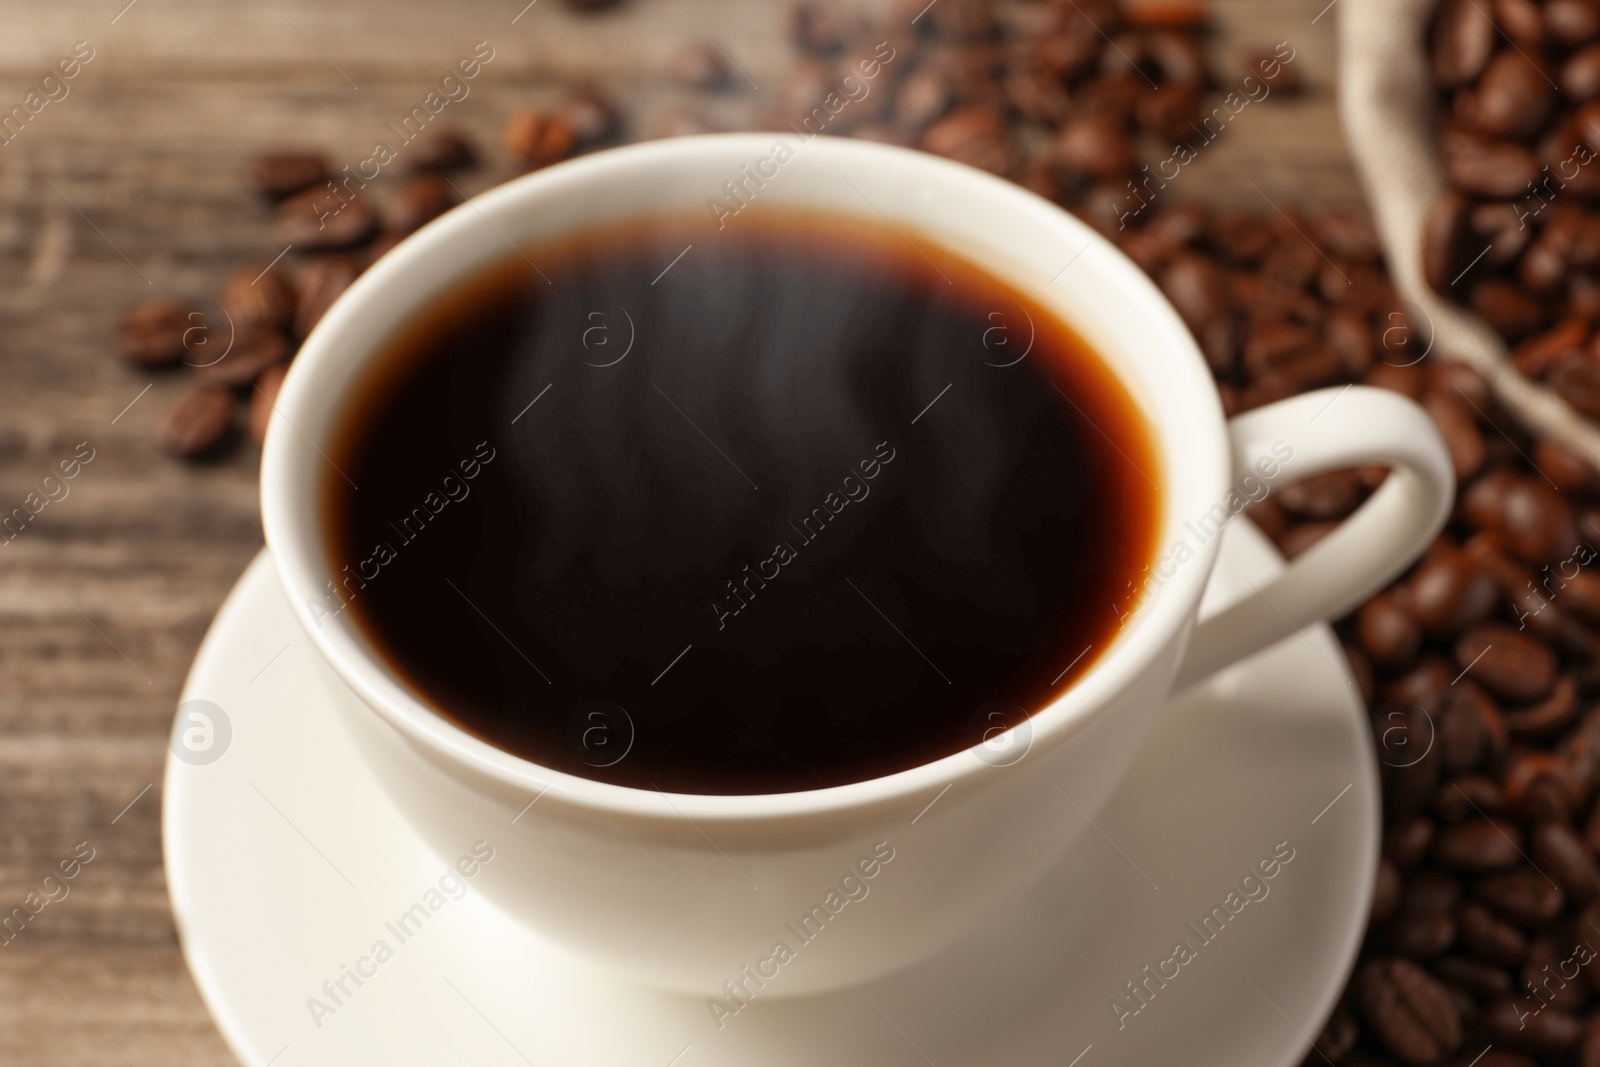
pixel 1331 429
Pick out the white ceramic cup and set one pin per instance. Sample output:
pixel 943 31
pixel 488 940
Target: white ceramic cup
pixel 698 893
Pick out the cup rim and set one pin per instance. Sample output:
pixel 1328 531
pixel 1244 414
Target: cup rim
pixel 294 540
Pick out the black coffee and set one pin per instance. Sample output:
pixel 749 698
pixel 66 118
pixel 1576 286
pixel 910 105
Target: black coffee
pixel 803 504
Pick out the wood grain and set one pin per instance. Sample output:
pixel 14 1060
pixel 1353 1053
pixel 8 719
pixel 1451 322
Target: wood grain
pixel 129 187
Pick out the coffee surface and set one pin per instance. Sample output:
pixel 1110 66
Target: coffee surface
pixel 799 503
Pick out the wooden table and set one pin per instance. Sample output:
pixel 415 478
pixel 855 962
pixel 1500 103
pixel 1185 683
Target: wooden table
pixel 130 186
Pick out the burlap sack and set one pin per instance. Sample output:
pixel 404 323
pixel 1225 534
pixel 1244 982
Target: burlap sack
pixel 1387 103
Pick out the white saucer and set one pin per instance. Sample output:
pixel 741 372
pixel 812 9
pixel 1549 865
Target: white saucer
pixel 285 861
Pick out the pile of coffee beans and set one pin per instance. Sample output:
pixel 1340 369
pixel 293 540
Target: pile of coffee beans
pixel 238 346
pixel 235 349
pixel 1481 664
pixel 1516 237
pixel 1056 96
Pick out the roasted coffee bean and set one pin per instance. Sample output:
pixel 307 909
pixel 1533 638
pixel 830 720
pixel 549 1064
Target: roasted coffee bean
pixel 1424 687
pixel 419 201
pixel 1167 14
pixel 153 333
pixel 1331 495
pixel 1566 859
pixel 440 150
pixel 1407 1010
pixel 1463 39
pixel 1572 22
pixel 1197 288
pixel 1421 936
pixel 1540 786
pixel 1168 111
pixel 263 395
pixel 1095 145
pixel 1466 1010
pixel 1589 1048
pixel 974 73
pixel 976 135
pixel 1549 714
pixel 258 295
pixel 1474 976
pixel 1430 893
pixel 1402 378
pixel 1532 517
pixel 280 174
pixel 1580 74
pixel 321 218
pixel 1036 94
pixel 1548 955
pixel 1177 56
pixel 1494 725
pixel 1449 591
pixel 923 96
pixel 1488 937
pixel 1450 378
pixel 1406 841
pixel 1519 20
pixel 1580 751
pixel 1446 239
pixel 1506 308
pixel 252 351
pixel 1513 96
pixel 1577 380
pixel 1497 170
pixel 1388 632
pixel 1538 354
pixel 1407 746
pixel 1302 370
pixel 1565 468
pixel 1458 425
pixel 1462 737
pixel 1580 593
pixel 321 281
pixel 1348 334
pixel 1241 238
pixel 1536 523
pixel 1523 896
pixel 1545 264
pixel 198 421
pixel 1181 224
pixel 1499 233
pixel 535 138
pixel 1348 233
pixel 1471 794
pixel 1479 845
pixel 1531 1026
pixel 1506 662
